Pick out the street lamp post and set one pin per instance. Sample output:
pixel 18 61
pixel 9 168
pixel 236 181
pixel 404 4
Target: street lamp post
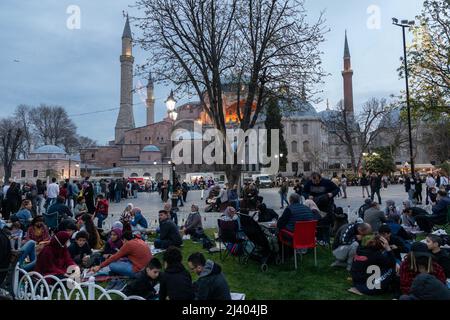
pixel 407 24
pixel 170 104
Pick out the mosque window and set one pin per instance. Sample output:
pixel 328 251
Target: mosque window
pixel 306 166
pixel 23 174
pixel 305 146
pixel 293 128
pixel 305 129
pixel 35 173
pixel 294 146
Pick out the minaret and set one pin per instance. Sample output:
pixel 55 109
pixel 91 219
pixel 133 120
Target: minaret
pixel 125 119
pixel 150 101
pixel 347 74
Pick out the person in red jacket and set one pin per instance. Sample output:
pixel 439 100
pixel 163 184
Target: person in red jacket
pixel 55 258
pixel 101 210
pixel 135 250
pixel 414 264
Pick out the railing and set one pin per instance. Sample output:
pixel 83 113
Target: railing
pixel 34 286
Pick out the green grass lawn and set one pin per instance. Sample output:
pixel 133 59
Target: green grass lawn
pixel 283 281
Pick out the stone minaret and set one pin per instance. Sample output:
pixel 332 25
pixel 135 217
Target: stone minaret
pixel 347 74
pixel 150 101
pixel 125 119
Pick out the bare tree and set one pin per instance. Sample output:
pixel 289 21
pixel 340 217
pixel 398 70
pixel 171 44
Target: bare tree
pixel 258 46
pixel 357 132
pixel 22 115
pixel 52 125
pixel 11 137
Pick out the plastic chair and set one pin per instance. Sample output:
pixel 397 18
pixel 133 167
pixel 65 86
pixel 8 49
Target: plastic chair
pixel 304 237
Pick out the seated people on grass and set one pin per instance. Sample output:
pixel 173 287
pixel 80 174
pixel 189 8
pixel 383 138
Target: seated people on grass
pixel 211 283
pixel 266 214
pixel 114 243
pixel 80 251
pixel 176 281
pixel 376 253
pixel 146 280
pixel 374 216
pixel 24 214
pixel 295 212
pixel 442 257
pixel 419 260
pixel 398 245
pixel 95 241
pixel 193 225
pixel 364 207
pixel 136 251
pixel 426 287
pixel 439 215
pixel 346 242
pixel 54 259
pixel 37 231
pixel 138 222
pixel 394 222
pixel 172 213
pixel 168 232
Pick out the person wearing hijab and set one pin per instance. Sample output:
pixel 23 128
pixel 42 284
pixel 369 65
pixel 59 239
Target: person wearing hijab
pixel 55 258
pixel 114 243
pixel 265 214
pixel 138 222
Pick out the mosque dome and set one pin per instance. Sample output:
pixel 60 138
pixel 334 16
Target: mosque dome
pixel 151 148
pixel 51 149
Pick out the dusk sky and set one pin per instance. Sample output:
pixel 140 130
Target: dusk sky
pixel 80 69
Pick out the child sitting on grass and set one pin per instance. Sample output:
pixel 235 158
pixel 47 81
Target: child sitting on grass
pixel 80 250
pixel 145 282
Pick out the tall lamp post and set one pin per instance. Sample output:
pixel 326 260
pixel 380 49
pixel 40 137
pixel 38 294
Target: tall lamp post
pixel 407 24
pixel 170 104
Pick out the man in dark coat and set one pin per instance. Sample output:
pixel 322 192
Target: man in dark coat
pixel 145 281
pixel 211 284
pixel 176 281
pixel 168 232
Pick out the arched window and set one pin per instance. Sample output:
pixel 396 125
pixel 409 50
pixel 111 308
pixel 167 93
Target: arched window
pixel 293 128
pixel 305 128
pixel 134 175
pixel 305 146
pixel 294 146
pixel 146 174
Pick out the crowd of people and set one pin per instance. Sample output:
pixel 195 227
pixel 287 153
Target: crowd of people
pixel 53 229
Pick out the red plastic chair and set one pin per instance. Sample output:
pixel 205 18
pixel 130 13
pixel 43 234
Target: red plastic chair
pixel 304 237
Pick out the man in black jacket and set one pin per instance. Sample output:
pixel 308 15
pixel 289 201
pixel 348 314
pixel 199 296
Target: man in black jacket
pixel 211 284
pixel 176 281
pixel 266 214
pixel 434 243
pixel 145 281
pixel 168 232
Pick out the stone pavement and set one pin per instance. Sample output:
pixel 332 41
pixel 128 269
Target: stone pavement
pixel 150 204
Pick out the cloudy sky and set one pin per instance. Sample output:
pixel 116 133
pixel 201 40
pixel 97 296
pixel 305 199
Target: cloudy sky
pixel 44 61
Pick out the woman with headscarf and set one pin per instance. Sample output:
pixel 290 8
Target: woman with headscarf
pixel 265 214
pixel 114 243
pixel 54 258
pixel 125 217
pixel 138 222
pixel 391 209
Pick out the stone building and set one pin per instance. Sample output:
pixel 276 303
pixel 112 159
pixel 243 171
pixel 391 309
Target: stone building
pixel 47 161
pixel 308 139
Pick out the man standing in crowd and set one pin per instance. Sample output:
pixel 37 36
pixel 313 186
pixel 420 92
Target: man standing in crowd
pixel 52 193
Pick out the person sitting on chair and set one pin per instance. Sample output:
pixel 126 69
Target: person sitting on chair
pixel 266 214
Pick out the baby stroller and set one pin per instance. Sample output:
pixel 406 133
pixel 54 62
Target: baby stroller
pixel 263 250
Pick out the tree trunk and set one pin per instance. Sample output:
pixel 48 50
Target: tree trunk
pixel 8 169
pixel 233 173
